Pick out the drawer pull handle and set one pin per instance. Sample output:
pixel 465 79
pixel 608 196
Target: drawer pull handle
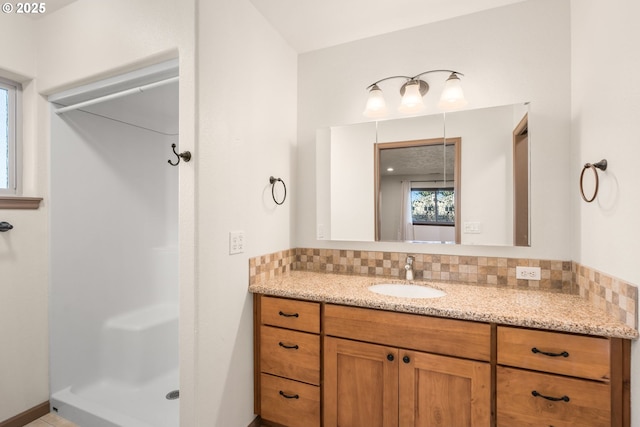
pixel 288 314
pixel 406 359
pixel 289 396
pixel 390 357
pixel 288 347
pixel 553 399
pixel 563 354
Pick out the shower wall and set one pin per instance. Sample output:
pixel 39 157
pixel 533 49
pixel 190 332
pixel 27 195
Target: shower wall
pixel 114 233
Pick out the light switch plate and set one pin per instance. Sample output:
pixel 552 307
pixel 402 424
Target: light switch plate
pixel 472 227
pixel 236 242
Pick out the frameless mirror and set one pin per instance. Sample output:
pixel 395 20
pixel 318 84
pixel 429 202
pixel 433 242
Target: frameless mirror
pixel 460 177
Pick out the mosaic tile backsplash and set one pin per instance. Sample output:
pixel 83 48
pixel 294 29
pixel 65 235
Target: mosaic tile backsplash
pixel 605 292
pixel 615 296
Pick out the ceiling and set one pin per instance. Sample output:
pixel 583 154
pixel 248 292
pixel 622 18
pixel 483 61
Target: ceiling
pixel 52 6
pixel 428 161
pixel 316 24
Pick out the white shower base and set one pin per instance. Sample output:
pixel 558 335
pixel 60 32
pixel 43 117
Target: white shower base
pixel 111 404
pixel 139 367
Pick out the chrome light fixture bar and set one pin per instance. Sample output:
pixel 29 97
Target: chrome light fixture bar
pixel 412 92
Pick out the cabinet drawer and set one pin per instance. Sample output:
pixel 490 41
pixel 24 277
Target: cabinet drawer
pixel 588 403
pixel 460 338
pixel 574 355
pixel 290 354
pixel 289 403
pixel 291 314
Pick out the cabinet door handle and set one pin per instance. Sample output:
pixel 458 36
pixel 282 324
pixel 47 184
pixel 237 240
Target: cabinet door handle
pixel 288 314
pixel 406 359
pixel 553 399
pixel 289 396
pixel 390 357
pixel 563 354
pixel 288 347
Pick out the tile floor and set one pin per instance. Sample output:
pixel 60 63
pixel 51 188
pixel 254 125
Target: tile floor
pixel 51 420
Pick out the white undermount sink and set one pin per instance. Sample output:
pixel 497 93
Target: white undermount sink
pixel 406 290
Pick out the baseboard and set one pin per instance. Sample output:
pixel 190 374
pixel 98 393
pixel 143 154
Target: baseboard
pixel 256 422
pixel 27 416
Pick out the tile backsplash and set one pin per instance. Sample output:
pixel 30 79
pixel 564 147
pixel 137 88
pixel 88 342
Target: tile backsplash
pixel 616 297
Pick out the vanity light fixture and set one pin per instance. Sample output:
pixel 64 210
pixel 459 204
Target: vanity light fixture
pixel 412 91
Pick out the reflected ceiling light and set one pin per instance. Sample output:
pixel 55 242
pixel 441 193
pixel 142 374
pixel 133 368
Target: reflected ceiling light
pixel 412 92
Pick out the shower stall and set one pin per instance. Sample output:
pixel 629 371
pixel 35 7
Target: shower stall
pixel 114 251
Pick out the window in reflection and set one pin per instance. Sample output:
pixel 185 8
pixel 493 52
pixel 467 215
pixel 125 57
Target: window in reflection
pixel 433 206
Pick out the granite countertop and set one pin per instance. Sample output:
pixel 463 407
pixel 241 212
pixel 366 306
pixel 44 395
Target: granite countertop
pixel 507 306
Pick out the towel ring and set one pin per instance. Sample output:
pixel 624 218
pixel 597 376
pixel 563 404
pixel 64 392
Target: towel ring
pixel 273 181
pixel 602 165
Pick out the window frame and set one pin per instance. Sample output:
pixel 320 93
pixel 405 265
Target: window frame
pixel 436 222
pixel 14 113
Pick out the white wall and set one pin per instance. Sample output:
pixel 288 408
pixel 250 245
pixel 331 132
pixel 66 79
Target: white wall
pixel 605 111
pixel 18 47
pixel 247 122
pixel 352 178
pixel 508 55
pixel 486 173
pixel 23 250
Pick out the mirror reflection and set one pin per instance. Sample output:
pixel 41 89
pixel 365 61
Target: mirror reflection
pixel 417 189
pixel 460 178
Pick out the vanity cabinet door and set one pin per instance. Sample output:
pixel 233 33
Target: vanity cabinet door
pixel 360 384
pixel 440 391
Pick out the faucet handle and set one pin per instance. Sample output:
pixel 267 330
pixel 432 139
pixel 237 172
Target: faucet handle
pixel 409 260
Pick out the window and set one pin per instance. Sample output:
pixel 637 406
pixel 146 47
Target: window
pixel 433 206
pixel 9 97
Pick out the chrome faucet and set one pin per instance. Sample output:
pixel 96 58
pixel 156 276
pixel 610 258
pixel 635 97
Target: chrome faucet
pixel 409 268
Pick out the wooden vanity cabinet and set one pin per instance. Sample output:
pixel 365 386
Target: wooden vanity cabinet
pixel 561 380
pixel 390 369
pixel 398 382
pixel 287 362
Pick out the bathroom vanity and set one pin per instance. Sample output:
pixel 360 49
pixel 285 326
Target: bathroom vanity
pixel 329 352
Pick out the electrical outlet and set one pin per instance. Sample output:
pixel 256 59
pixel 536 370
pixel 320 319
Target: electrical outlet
pixel 236 242
pixel 528 273
pixel 320 232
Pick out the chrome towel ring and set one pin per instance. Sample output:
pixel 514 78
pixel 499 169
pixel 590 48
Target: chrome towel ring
pixel 602 165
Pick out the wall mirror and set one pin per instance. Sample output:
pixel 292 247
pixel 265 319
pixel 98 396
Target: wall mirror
pixel 456 178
